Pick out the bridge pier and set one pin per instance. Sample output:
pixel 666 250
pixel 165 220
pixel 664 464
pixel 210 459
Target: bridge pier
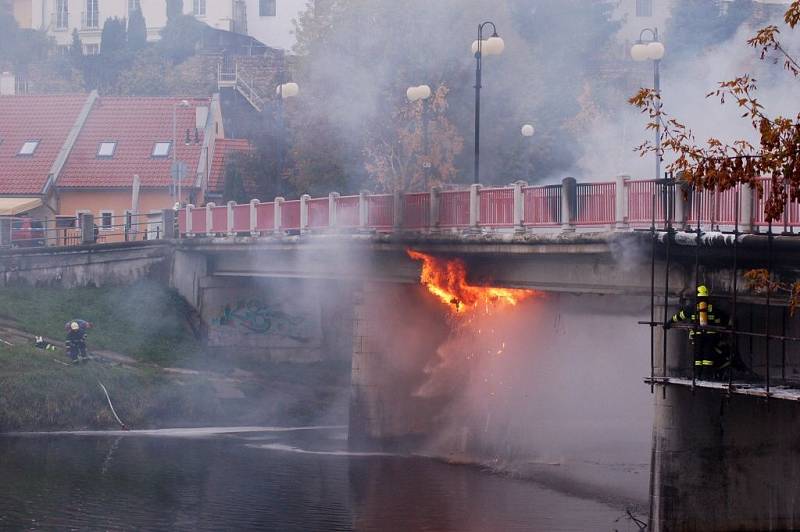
pixel 724 463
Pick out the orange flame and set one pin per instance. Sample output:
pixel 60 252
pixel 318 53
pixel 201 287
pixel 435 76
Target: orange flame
pixel 447 280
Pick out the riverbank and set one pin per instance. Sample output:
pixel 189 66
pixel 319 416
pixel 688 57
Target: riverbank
pixel 148 354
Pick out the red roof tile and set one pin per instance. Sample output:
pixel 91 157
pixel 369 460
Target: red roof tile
pixel 48 119
pixel 135 124
pixel 222 148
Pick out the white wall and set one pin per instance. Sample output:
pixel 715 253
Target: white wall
pixel 276 31
pixel 219 13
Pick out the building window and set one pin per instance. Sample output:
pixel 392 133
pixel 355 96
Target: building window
pixel 62 49
pixel 29 148
pixel 106 149
pixel 92 15
pixel 161 149
pixel 106 220
pixel 62 14
pixel 199 8
pixel 644 8
pixel 91 49
pixel 267 8
pixel 134 5
pixel 78 217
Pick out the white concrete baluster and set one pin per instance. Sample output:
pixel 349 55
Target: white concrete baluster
pixel 231 229
pixel 210 218
pixel 332 209
pixel 474 205
pixel 621 203
pixel 278 202
pixel 254 217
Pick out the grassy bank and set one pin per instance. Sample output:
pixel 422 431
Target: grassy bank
pixel 151 325
pixel 143 320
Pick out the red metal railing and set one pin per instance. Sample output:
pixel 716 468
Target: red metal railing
pixel 496 207
pixel 595 203
pixel 318 213
pixel 454 208
pixel 241 218
pixel 219 220
pixel 347 211
pixel 640 202
pixel 290 214
pixel 542 205
pixel 417 210
pixel 265 216
pixel 380 211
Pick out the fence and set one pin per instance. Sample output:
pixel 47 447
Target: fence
pixel 622 205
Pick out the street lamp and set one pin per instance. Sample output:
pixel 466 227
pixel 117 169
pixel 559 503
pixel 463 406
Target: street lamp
pixel 183 104
pixel 283 91
pixel 494 45
pixel 422 93
pixel 652 49
pixel 527 131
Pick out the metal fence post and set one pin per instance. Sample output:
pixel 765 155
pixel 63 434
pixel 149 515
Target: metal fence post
pixel 168 219
pixel 5 232
pixel 363 213
pixel 87 228
pixel 519 207
pixel 254 217
pixel 397 209
pixel 304 212
pixel 474 205
pixel 746 209
pixel 210 218
pixel 189 208
pixel 434 205
pixel 231 230
pixel 569 203
pixel 332 209
pixel 621 204
pixel 277 209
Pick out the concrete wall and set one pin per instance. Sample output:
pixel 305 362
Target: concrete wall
pixel 85 265
pixel 724 463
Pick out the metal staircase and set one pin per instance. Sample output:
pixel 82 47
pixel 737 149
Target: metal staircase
pixel 228 79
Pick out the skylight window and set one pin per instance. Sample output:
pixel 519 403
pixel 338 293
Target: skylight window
pixel 161 149
pixel 29 147
pixel 106 149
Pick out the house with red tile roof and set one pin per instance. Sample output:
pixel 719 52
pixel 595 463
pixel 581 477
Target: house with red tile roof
pixel 65 155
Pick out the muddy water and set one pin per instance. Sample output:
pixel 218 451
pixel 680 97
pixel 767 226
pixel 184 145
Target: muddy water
pixel 268 480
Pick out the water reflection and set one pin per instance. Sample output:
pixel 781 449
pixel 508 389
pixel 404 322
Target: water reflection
pixel 234 482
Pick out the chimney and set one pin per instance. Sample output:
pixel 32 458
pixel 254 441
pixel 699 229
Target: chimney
pixel 8 84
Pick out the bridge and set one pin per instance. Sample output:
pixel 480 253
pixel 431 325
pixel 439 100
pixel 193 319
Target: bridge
pixel 334 277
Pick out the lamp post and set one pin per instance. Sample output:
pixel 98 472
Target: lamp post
pixel 494 45
pixel 422 93
pixel 183 104
pixel 284 91
pixel 527 131
pixel 652 49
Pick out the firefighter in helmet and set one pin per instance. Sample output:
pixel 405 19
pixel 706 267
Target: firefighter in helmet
pixel 76 339
pixel 711 354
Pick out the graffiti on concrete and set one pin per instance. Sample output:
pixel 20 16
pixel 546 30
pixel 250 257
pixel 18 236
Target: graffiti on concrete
pixel 257 317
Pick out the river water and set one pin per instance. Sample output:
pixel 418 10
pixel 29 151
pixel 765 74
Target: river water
pixel 265 479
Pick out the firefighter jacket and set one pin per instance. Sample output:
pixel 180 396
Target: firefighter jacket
pixel 691 314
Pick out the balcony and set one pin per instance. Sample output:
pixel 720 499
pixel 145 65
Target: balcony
pixel 90 21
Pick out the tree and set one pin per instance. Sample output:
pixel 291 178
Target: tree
pixel 137 31
pixel 720 165
pixel 174 9
pixel 112 39
pixel 180 38
pixel 234 187
pixel 76 49
pixel 401 157
pixel 700 24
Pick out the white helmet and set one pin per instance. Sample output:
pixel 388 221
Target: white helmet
pixel 74 326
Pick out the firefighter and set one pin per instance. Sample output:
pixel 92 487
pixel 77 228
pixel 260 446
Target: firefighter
pixel 76 339
pixel 711 354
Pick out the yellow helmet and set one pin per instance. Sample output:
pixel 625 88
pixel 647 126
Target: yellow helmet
pixel 702 291
pixel 74 326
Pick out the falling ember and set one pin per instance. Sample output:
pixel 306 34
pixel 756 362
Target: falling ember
pixel 447 280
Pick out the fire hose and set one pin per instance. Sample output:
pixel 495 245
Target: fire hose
pixel 123 425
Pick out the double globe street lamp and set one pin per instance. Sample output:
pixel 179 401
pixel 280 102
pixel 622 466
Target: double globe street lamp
pixel 652 49
pixel 494 45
